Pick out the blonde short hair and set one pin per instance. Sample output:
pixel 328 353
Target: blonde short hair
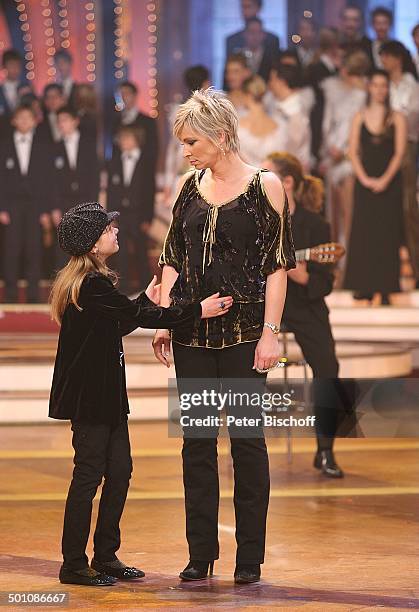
pixel 211 114
pixel 255 86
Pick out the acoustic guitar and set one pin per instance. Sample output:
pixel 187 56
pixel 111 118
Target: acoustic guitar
pixel 327 253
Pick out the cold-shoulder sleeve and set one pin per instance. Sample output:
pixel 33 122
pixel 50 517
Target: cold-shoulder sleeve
pixel 277 243
pixel 174 248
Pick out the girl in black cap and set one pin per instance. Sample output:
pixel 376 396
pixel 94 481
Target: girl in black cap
pixel 89 386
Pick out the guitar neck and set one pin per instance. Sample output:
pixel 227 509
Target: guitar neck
pixel 302 255
pixel 327 253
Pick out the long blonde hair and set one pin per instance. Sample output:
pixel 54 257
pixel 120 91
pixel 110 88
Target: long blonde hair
pixel 66 286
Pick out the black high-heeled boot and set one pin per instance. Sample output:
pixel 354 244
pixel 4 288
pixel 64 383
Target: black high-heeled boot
pixel 197 570
pixel 325 461
pixel 245 574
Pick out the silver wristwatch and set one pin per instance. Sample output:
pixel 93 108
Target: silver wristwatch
pixel 275 328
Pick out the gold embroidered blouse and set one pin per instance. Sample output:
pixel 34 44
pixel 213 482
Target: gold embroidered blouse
pixel 230 248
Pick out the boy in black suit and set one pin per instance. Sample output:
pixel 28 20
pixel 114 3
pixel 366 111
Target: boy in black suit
pixel 132 117
pixel 63 61
pixel 11 88
pixel 52 100
pixel 76 164
pixel 24 202
pixel 76 168
pixel 131 189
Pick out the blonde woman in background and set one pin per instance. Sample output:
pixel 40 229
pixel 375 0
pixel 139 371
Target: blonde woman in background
pixel 236 72
pixel 344 96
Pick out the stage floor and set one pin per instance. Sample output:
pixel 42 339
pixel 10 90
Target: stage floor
pixel 331 545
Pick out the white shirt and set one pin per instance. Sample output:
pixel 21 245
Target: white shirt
pixel 71 144
pixel 376 46
pixel 254 58
pixel 67 85
pixel 291 114
pixel 129 161
pixel 53 124
pixel 129 116
pixel 341 104
pixel 305 55
pixel 328 62
pixel 10 93
pixel 404 97
pixel 23 146
pixel 255 149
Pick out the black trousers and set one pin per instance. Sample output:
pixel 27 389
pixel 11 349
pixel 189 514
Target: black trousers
pixel 313 334
pixel 22 237
pixel 100 451
pixel 200 467
pixel 132 254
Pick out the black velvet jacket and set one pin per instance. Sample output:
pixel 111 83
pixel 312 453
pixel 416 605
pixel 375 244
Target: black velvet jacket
pixel 89 374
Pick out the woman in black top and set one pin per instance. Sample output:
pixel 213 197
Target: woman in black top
pixel 230 229
pixel 89 386
pixel 376 148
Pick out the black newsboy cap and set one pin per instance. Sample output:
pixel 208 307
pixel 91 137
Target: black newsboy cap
pixel 81 227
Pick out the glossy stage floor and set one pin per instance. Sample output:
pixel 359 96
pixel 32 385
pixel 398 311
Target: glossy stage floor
pixel 331 545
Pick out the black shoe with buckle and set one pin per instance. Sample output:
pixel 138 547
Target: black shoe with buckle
pixel 117 569
pixel 325 461
pixel 245 574
pixel 197 570
pixel 85 577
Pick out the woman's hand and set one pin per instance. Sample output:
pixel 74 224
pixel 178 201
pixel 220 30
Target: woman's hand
pixel 153 291
pixel 214 305
pixel 299 274
pixel 378 185
pixel 4 218
pixel 267 353
pixel 161 346
pixel 367 182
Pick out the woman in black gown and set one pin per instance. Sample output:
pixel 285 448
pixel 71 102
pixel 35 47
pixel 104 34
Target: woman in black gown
pixel 376 148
